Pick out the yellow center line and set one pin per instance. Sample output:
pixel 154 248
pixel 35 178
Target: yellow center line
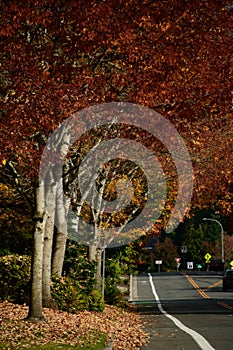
pixel 213 285
pixel 204 295
pixel 226 306
pixel 195 285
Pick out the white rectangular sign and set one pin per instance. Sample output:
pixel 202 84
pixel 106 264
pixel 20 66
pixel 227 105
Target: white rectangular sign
pixel 189 265
pixel 158 262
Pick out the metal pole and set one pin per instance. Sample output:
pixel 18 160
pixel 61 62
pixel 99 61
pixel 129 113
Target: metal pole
pixel 103 273
pixel 222 234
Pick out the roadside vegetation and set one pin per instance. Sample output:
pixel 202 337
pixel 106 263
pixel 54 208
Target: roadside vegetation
pixel 81 318
pixel 59 58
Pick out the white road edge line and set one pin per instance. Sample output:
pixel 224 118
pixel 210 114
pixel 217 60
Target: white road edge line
pixel 198 338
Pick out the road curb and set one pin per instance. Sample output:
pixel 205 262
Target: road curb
pixel 110 345
pixel 130 288
pixel 133 290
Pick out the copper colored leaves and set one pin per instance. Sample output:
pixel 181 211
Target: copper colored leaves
pixel 65 328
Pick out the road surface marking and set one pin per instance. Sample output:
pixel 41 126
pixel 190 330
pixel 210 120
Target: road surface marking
pixel 196 286
pixel 198 338
pixel 204 295
pixel 213 285
pixel 226 306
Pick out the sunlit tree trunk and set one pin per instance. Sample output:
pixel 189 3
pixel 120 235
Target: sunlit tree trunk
pixel 35 306
pixel 92 252
pixel 47 257
pixel 59 252
pixel 50 199
pixel 61 211
pixel 98 268
pixel 60 237
pixel 95 254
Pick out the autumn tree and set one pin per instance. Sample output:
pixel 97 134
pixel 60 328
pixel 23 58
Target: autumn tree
pixel 60 57
pixel 165 251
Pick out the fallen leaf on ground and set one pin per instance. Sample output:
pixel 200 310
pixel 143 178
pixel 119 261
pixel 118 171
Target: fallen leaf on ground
pixel 64 328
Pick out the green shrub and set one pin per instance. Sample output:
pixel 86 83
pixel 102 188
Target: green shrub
pixel 68 294
pixel 73 293
pixel 112 295
pixel 4 252
pixel 15 278
pixel 78 267
pixel 95 301
pixel 72 297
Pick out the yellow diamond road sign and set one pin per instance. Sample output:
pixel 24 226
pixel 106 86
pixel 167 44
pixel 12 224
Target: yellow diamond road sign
pixel 207 257
pixel 231 263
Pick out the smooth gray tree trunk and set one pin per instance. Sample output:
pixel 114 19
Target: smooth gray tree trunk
pixel 35 313
pixel 47 299
pixel 92 252
pixel 98 269
pixel 95 254
pixel 60 237
pixel 50 199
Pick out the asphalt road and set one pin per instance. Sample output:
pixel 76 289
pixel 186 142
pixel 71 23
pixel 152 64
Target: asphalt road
pixel 184 311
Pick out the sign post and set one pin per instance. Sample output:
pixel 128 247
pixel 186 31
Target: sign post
pixel 183 250
pixel 158 262
pixel 177 260
pixel 207 260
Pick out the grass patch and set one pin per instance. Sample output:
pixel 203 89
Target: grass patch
pixel 98 345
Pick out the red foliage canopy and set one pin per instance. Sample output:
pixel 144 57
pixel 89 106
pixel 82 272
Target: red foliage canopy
pixel 173 56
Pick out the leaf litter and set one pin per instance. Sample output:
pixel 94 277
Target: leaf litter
pixel 71 329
